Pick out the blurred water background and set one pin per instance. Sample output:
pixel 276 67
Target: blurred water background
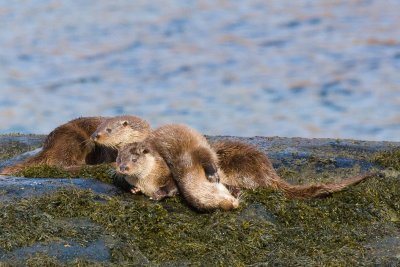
pixel 288 68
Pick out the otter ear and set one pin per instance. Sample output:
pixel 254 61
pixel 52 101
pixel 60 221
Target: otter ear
pixel 125 123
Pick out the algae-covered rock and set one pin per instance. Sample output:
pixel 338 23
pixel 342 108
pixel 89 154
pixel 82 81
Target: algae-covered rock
pixel 80 222
pixel 14 145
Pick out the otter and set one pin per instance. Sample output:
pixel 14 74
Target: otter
pixel 70 145
pixel 118 131
pixel 176 156
pixel 146 171
pixel 242 165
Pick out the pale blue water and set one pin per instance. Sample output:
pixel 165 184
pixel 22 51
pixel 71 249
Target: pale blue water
pixel 286 68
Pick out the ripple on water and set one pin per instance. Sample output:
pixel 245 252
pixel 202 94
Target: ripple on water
pixel 235 68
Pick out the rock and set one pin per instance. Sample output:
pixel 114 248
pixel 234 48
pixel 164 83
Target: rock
pixel 15 188
pixel 64 221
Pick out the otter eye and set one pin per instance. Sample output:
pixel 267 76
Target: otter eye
pixel 108 130
pixel 134 160
pixel 125 123
pixel 145 151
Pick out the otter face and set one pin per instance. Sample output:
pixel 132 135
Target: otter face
pixel 121 130
pixel 135 160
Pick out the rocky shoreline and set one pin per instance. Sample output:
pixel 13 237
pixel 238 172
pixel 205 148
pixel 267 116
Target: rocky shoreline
pixel 85 221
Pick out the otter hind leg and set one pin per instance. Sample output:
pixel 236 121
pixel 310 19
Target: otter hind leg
pixel 159 195
pixel 168 190
pixel 206 159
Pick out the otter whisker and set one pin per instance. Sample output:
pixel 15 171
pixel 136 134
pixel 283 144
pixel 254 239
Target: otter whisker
pixel 87 143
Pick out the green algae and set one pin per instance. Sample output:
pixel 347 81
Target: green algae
pixel 41 259
pixel 267 228
pixel 14 148
pixel 102 172
pixel 389 159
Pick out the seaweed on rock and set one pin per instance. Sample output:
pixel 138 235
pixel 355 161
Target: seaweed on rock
pixel 267 228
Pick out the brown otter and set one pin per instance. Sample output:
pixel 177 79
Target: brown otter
pixel 146 170
pixel 244 166
pixel 118 131
pixel 241 166
pixel 69 145
pixel 184 153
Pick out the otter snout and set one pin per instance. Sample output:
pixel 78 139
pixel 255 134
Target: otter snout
pixel 123 168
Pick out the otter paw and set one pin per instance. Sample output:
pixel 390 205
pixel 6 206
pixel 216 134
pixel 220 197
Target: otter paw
pixel 135 190
pixel 159 195
pixel 235 192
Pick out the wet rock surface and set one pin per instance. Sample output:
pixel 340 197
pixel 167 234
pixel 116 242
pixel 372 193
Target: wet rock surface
pixel 14 188
pixel 83 221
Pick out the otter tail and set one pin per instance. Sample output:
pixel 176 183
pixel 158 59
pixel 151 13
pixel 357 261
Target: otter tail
pixel 318 190
pixel 16 168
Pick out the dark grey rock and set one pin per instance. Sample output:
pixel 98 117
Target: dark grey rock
pixel 14 188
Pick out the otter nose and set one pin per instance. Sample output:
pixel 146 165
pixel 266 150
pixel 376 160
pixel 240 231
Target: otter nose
pixel 95 136
pixel 123 168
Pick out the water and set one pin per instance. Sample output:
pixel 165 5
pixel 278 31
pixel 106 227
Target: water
pixel 245 68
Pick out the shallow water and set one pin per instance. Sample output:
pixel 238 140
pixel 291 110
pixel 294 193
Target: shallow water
pixel 245 68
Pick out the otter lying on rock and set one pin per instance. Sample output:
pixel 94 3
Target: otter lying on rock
pixel 244 166
pixel 176 155
pixel 72 145
pixel 94 140
pixel 241 166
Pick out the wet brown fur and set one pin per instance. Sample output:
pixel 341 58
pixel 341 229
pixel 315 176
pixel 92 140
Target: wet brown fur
pixel 146 170
pixel 244 166
pixel 119 131
pixel 70 145
pixel 187 154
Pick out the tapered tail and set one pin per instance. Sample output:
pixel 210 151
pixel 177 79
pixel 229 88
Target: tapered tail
pixel 318 190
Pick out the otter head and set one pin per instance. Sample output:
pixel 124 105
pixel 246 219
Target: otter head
pixel 135 159
pixel 121 130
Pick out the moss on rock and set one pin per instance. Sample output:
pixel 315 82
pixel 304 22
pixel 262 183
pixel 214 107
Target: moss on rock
pixel 344 229
pixel 389 159
pixel 279 231
pixel 102 172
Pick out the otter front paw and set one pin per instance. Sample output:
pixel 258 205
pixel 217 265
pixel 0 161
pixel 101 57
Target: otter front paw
pixel 234 190
pixel 159 195
pixel 135 190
